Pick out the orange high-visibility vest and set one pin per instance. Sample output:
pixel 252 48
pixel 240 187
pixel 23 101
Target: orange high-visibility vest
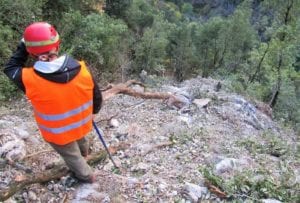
pixel 63 111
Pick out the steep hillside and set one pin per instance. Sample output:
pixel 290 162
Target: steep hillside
pixel 220 144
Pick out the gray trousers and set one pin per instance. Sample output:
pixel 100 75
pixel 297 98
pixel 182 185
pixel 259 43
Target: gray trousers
pixel 72 155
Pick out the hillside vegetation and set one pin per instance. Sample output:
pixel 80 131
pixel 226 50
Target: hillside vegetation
pixel 254 44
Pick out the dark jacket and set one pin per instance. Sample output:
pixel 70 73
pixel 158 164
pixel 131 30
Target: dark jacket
pixel 66 71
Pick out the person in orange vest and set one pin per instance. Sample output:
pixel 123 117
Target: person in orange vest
pixel 63 94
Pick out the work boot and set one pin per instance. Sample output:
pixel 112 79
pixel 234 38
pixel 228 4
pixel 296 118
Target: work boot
pixel 90 179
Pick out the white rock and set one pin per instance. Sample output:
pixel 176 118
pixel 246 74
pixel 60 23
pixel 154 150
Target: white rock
pixel 114 123
pixel 89 193
pixel 194 192
pixel 21 133
pixel 32 195
pixel 200 103
pixel 270 201
pixel 13 150
pixel 140 167
pixel 225 165
pixel 132 182
pixel 162 187
pixel 229 164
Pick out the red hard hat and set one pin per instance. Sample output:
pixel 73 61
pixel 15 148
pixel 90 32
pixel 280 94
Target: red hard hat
pixel 40 37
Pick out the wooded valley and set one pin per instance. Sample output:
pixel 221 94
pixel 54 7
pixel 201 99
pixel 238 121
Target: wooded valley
pixel 252 44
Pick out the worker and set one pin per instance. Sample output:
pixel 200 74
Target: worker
pixel 63 93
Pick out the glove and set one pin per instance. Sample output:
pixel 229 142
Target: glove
pixel 21 49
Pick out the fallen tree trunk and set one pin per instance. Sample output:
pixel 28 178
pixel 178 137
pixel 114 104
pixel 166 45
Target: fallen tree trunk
pixel 54 173
pixel 124 88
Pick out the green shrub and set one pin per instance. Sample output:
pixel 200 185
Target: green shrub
pixel 252 185
pixel 99 41
pixel 7 88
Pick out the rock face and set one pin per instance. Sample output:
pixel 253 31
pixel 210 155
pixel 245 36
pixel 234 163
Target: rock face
pixel 166 147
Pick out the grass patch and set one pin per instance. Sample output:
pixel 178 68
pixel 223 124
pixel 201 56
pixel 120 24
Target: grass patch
pixel 269 144
pixel 252 185
pixel 186 136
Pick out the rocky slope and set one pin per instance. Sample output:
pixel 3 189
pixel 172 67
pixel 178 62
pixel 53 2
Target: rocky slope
pixel 172 155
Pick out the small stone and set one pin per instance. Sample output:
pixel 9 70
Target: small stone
pixel 56 188
pixel 114 123
pixel 108 167
pixel 132 182
pixel 174 193
pixel 207 196
pixel 23 134
pixel 25 195
pixel 194 192
pixel 140 167
pixel 225 165
pixel 32 195
pixel 200 103
pixel 50 187
pixel 162 187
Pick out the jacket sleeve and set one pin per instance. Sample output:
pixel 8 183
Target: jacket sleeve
pixel 13 69
pixel 97 98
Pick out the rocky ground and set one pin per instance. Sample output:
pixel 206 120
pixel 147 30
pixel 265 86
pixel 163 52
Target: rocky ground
pixel 171 153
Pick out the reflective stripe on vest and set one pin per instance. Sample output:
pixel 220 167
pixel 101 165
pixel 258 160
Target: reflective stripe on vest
pixel 64 115
pixel 67 127
pixel 63 112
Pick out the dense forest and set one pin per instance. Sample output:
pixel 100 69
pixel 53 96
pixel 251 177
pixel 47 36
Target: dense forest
pixel 253 45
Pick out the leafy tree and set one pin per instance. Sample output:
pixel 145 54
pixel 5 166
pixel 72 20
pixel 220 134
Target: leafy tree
pixel 187 8
pixel 53 11
pixel 117 8
pixel 224 45
pixel 150 50
pixel 182 50
pixel 171 12
pixel 241 39
pixel 211 45
pixel 284 41
pixel 98 41
pixel 15 16
pixel 6 35
pixel 19 13
pixel 274 61
pixel 139 16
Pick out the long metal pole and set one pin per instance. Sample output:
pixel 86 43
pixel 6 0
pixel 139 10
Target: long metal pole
pixel 104 144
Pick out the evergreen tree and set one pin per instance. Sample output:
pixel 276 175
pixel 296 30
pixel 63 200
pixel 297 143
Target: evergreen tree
pixel 117 8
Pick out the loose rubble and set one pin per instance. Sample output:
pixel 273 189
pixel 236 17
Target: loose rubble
pixel 167 146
